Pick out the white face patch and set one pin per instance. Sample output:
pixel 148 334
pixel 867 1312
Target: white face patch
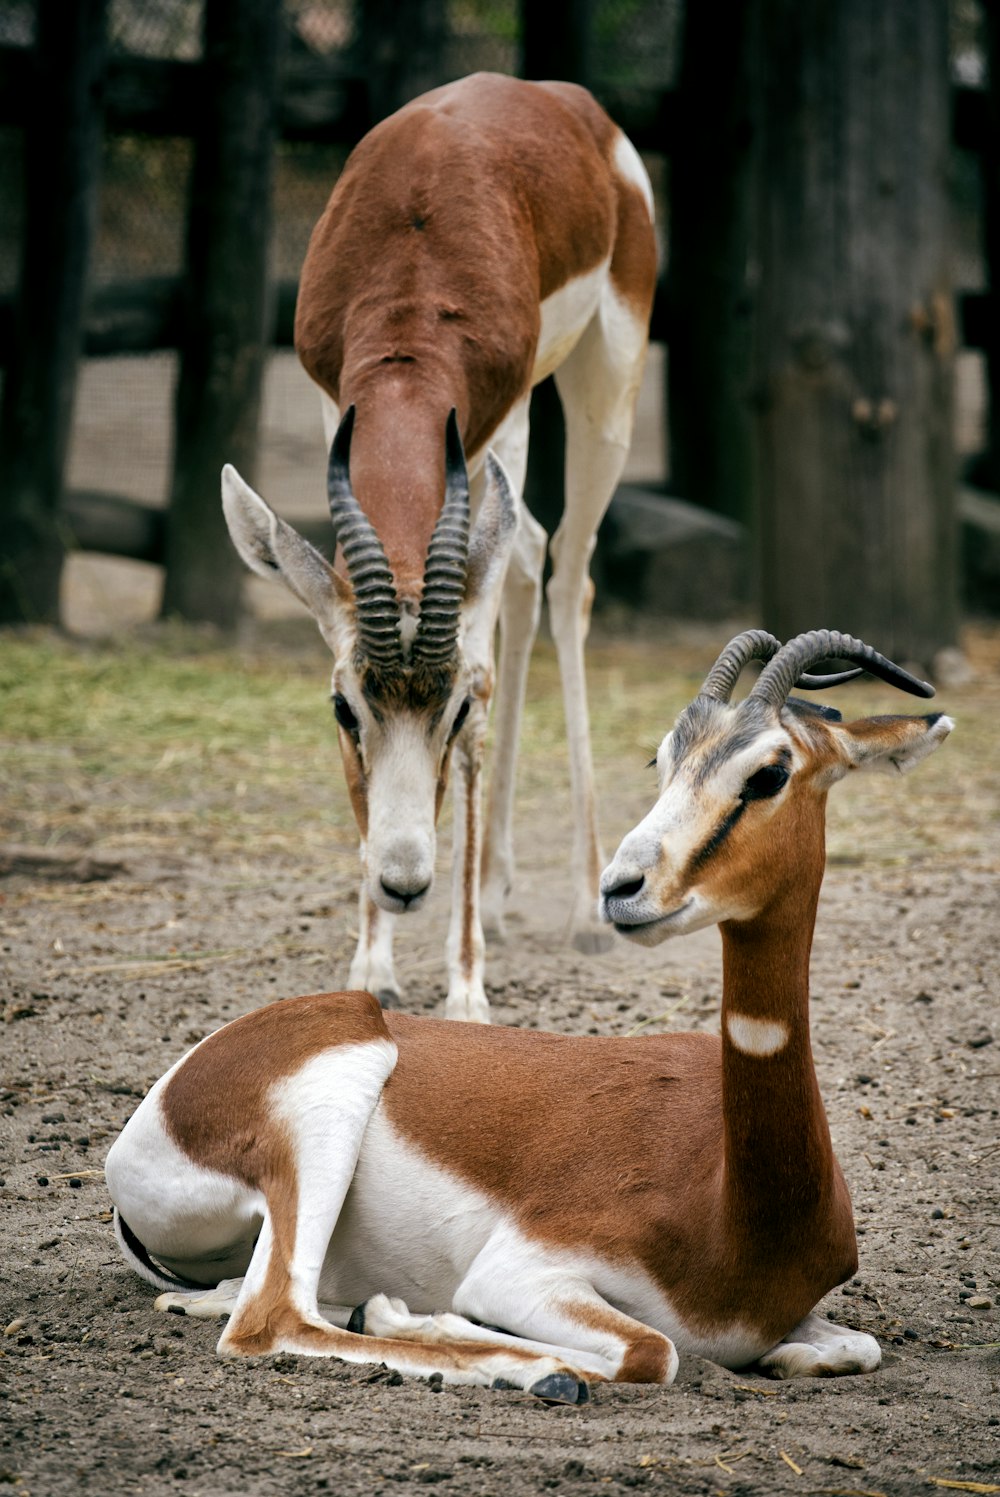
pixel 758 1037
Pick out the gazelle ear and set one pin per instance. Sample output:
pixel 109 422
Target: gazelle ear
pixel 492 538
pixel 490 546
pixel 894 745
pixel 271 548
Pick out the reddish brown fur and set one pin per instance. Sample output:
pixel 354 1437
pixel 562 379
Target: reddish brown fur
pixel 491 194
pixel 216 1108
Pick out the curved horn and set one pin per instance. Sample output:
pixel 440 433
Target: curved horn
pixel 757 644
pixel 779 676
pixel 447 560
pixel 376 603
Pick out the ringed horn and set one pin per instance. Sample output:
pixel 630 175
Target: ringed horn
pixel 376 600
pixel 787 665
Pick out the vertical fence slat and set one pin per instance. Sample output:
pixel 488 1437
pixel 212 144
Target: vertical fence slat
pixel 222 357
pixel 62 149
pixel 855 325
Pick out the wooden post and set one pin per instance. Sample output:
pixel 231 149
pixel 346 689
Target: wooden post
pixel 222 358
pixel 988 468
pixel 402 50
pixel 855 329
pixel 62 158
pixel 708 302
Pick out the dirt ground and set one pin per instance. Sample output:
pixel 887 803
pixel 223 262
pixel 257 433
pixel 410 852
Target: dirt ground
pixel 234 885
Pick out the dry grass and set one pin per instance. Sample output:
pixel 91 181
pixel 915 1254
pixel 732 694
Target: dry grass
pixel 166 738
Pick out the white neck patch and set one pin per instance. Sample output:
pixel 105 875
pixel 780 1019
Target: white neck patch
pixel 760 1037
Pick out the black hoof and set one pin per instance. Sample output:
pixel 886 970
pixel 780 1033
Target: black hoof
pixel 176 1310
pixel 356 1324
pixel 560 1387
pixel 388 997
pixel 503 1385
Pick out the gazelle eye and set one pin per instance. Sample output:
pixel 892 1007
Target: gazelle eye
pixel 767 781
pixel 342 712
pixel 460 717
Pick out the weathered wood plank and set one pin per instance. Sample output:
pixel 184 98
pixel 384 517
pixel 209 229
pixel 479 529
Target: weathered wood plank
pixel 62 165
pixel 222 356
pixel 856 324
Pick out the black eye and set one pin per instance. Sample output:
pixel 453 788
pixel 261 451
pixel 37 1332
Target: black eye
pixel 460 717
pixel 765 783
pixel 342 712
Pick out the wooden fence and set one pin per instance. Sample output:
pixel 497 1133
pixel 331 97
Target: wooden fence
pixel 236 101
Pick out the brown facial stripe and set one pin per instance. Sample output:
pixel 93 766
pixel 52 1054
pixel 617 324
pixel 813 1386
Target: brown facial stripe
pixel 711 846
pixel 357 781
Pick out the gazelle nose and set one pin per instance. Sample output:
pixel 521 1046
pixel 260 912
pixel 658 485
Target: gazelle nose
pixel 624 890
pixel 405 896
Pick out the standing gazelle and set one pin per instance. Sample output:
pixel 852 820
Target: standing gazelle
pixel 606 1201
pixel 489 234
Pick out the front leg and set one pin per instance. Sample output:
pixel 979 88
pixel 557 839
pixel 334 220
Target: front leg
pixel 818 1348
pixel 372 966
pixel 466 994
pixel 536 1294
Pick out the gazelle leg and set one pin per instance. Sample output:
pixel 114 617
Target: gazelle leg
pixel 211 1304
pixel 818 1348
pixel 520 609
pixel 598 385
pixel 466 994
pixel 202 1304
pixel 514 1285
pixel 383 1315
pixel 372 966
pixel 325 1110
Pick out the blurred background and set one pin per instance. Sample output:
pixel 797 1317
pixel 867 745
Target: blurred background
pixel 819 432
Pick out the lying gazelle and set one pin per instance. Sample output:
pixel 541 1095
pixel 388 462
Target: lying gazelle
pixel 607 1202
pixel 489 234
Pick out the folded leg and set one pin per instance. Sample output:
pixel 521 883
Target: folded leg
pixel 818 1348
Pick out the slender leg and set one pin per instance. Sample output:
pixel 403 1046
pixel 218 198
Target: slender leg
pixel 520 609
pixel 383 1315
pixel 514 1284
pixel 326 1108
pixel 818 1348
pixel 466 994
pixel 372 966
pixel 211 1304
pixel 598 385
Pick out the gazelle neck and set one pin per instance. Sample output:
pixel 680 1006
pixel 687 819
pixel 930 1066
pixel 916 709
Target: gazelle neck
pixel 778 1155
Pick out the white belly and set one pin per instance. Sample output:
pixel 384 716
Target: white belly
pixel 407 1228
pixel 565 314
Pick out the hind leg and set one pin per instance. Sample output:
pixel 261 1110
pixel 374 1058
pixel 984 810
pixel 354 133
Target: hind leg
pixel 520 609
pixel 598 385
pixel 220 1302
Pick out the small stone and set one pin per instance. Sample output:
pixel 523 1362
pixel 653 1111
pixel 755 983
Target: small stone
pixel 937 1215
pixel 53 1117
pixel 980 1302
pixel 41 1179
pixel 75 1184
